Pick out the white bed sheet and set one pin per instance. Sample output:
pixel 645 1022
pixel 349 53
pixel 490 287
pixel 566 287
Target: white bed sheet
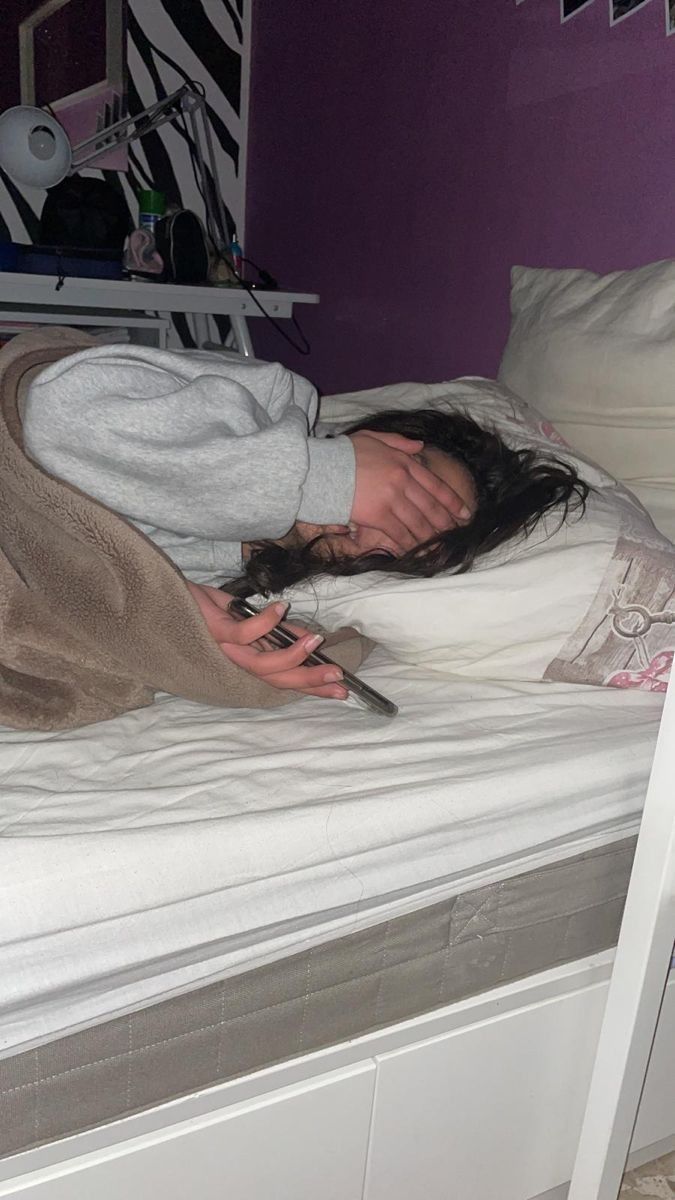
pixel 179 844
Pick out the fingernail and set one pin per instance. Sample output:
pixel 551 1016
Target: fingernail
pixel 280 607
pixel 465 512
pixel 312 642
pixel 339 693
pixel 332 676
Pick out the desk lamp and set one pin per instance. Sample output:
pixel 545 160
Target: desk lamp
pixel 35 149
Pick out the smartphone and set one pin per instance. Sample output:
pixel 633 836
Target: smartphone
pixel 281 635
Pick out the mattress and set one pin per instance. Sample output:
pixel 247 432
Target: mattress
pixel 336 991
pixel 182 845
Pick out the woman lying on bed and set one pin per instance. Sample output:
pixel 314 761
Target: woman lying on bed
pixel 214 461
pixel 507 491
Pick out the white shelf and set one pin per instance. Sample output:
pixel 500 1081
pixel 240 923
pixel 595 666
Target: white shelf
pixel 10 319
pixel 139 295
pixel 100 301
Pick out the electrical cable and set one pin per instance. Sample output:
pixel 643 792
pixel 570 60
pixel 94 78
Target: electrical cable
pixel 305 348
pixel 266 279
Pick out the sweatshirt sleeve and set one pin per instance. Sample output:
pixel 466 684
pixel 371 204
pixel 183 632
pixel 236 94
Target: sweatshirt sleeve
pixel 194 444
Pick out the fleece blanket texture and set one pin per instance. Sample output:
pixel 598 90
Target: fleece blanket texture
pixel 94 618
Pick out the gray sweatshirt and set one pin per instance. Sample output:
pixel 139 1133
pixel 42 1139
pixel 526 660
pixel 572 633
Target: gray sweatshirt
pixel 198 450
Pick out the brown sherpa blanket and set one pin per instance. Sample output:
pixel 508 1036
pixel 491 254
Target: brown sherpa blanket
pixel 94 618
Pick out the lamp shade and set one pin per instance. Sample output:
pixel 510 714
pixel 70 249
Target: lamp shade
pixel 34 148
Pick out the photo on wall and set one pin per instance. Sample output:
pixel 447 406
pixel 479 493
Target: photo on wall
pixel 72 59
pixel 619 9
pixel 670 16
pixel 569 8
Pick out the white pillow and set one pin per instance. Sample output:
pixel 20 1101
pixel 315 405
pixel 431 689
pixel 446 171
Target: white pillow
pixel 596 354
pixel 545 607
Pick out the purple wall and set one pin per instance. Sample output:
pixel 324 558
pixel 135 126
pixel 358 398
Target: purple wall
pixel 400 166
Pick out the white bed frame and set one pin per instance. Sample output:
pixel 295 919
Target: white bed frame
pixel 432 1108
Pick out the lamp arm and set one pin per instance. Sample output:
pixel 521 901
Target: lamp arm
pixel 184 101
pixel 123 131
pixel 195 107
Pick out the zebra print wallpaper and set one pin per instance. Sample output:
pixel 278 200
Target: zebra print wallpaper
pixel 167 43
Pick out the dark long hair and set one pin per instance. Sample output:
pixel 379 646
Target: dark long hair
pixel 514 489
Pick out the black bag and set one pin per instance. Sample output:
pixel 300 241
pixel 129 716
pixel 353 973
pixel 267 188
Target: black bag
pixel 86 214
pixel 181 240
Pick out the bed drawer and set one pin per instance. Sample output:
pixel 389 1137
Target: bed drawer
pixel 299 1143
pixel 494 1110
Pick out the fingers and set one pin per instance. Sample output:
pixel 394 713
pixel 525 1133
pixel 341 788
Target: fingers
pixel 425 507
pixel 252 629
pixel 408 524
pixel 330 692
pixel 225 627
pixel 422 517
pixel 280 668
pixel 284 668
pixel 396 440
pixel 396 494
pixel 444 498
pixel 273 662
pixel 397 531
pixel 214 595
